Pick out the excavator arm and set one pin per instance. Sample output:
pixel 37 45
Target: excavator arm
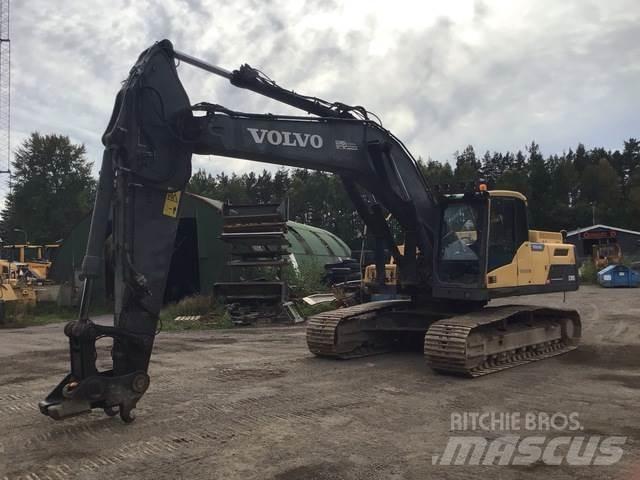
pixel 149 141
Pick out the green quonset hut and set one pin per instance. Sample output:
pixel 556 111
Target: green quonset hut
pixel 200 257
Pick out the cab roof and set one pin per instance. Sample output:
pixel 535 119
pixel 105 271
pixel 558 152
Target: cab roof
pixel 493 193
pixel 507 193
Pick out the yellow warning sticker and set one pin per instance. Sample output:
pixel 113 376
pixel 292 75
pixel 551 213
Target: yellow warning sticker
pixel 171 203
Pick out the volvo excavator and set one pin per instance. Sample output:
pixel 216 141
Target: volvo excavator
pixel 461 249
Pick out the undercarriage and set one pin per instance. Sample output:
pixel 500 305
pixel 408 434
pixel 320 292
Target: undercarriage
pixel 470 344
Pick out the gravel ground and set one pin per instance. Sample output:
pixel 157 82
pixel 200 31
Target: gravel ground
pixel 254 403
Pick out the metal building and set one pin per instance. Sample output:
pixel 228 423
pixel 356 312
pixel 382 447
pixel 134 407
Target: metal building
pixel 585 238
pixel 199 258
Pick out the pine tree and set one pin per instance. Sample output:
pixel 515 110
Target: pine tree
pixel 580 160
pixel 467 166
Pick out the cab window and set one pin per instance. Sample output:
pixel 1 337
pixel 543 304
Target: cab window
pixel 507 230
pixel 459 256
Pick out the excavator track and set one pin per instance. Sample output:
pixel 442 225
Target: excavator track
pixel 343 334
pixel 497 338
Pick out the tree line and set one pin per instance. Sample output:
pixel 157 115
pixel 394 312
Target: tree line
pixel 565 191
pixel 53 188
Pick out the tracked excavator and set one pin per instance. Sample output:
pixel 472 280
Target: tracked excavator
pixel 461 249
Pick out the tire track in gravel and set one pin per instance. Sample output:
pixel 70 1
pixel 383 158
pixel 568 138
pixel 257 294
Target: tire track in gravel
pixel 252 410
pixel 206 422
pixel 19 402
pixel 196 407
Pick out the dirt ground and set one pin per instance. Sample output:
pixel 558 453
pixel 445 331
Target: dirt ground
pixel 254 403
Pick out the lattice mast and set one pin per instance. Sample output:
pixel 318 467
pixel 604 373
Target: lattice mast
pixel 5 89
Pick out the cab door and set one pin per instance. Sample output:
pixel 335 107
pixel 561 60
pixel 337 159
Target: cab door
pixel 508 232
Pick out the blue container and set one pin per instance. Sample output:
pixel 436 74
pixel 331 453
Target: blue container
pixel 618 276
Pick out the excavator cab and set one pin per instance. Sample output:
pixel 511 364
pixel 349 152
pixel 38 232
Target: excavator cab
pixel 485 250
pixel 460 258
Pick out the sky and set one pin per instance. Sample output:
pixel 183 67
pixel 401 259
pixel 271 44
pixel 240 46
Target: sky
pixel 440 74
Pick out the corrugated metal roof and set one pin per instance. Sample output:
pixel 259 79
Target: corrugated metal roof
pixel 593 227
pixel 214 203
pixel 312 241
pixel 305 240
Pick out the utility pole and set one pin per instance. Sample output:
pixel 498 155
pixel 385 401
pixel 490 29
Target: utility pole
pixel 24 232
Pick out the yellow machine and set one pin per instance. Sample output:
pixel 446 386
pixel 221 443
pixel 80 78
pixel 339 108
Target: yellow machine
pixel 607 254
pixel 34 261
pixel 24 272
pixel 531 265
pixel 370 278
pixel 16 289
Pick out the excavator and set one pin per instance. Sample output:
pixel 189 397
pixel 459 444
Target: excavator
pixel 461 249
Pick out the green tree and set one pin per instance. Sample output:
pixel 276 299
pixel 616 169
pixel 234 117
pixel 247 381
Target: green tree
pixel 281 183
pixel 467 166
pixel 580 159
pixel 630 158
pixel 634 201
pixel 539 187
pixel 491 167
pixel 202 183
pixel 512 173
pixel 436 173
pixel 263 190
pixel 600 187
pixel 563 192
pixel 52 189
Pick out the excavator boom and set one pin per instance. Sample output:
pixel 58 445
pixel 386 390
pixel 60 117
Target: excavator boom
pixel 149 141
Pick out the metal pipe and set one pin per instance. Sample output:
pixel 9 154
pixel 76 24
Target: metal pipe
pixel 83 315
pixel 92 261
pixel 196 62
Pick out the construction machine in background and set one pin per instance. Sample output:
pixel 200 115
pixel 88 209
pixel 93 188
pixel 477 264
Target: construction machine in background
pixel 605 254
pixel 461 248
pixel 24 276
pixel 31 260
pixel 17 292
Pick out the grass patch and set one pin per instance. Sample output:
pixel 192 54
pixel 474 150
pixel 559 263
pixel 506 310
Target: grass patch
pixel 214 314
pixel 19 315
pixel 309 310
pixel 306 279
pixel 588 273
pixel 632 261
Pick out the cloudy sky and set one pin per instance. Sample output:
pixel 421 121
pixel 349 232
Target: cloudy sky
pixel 441 74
